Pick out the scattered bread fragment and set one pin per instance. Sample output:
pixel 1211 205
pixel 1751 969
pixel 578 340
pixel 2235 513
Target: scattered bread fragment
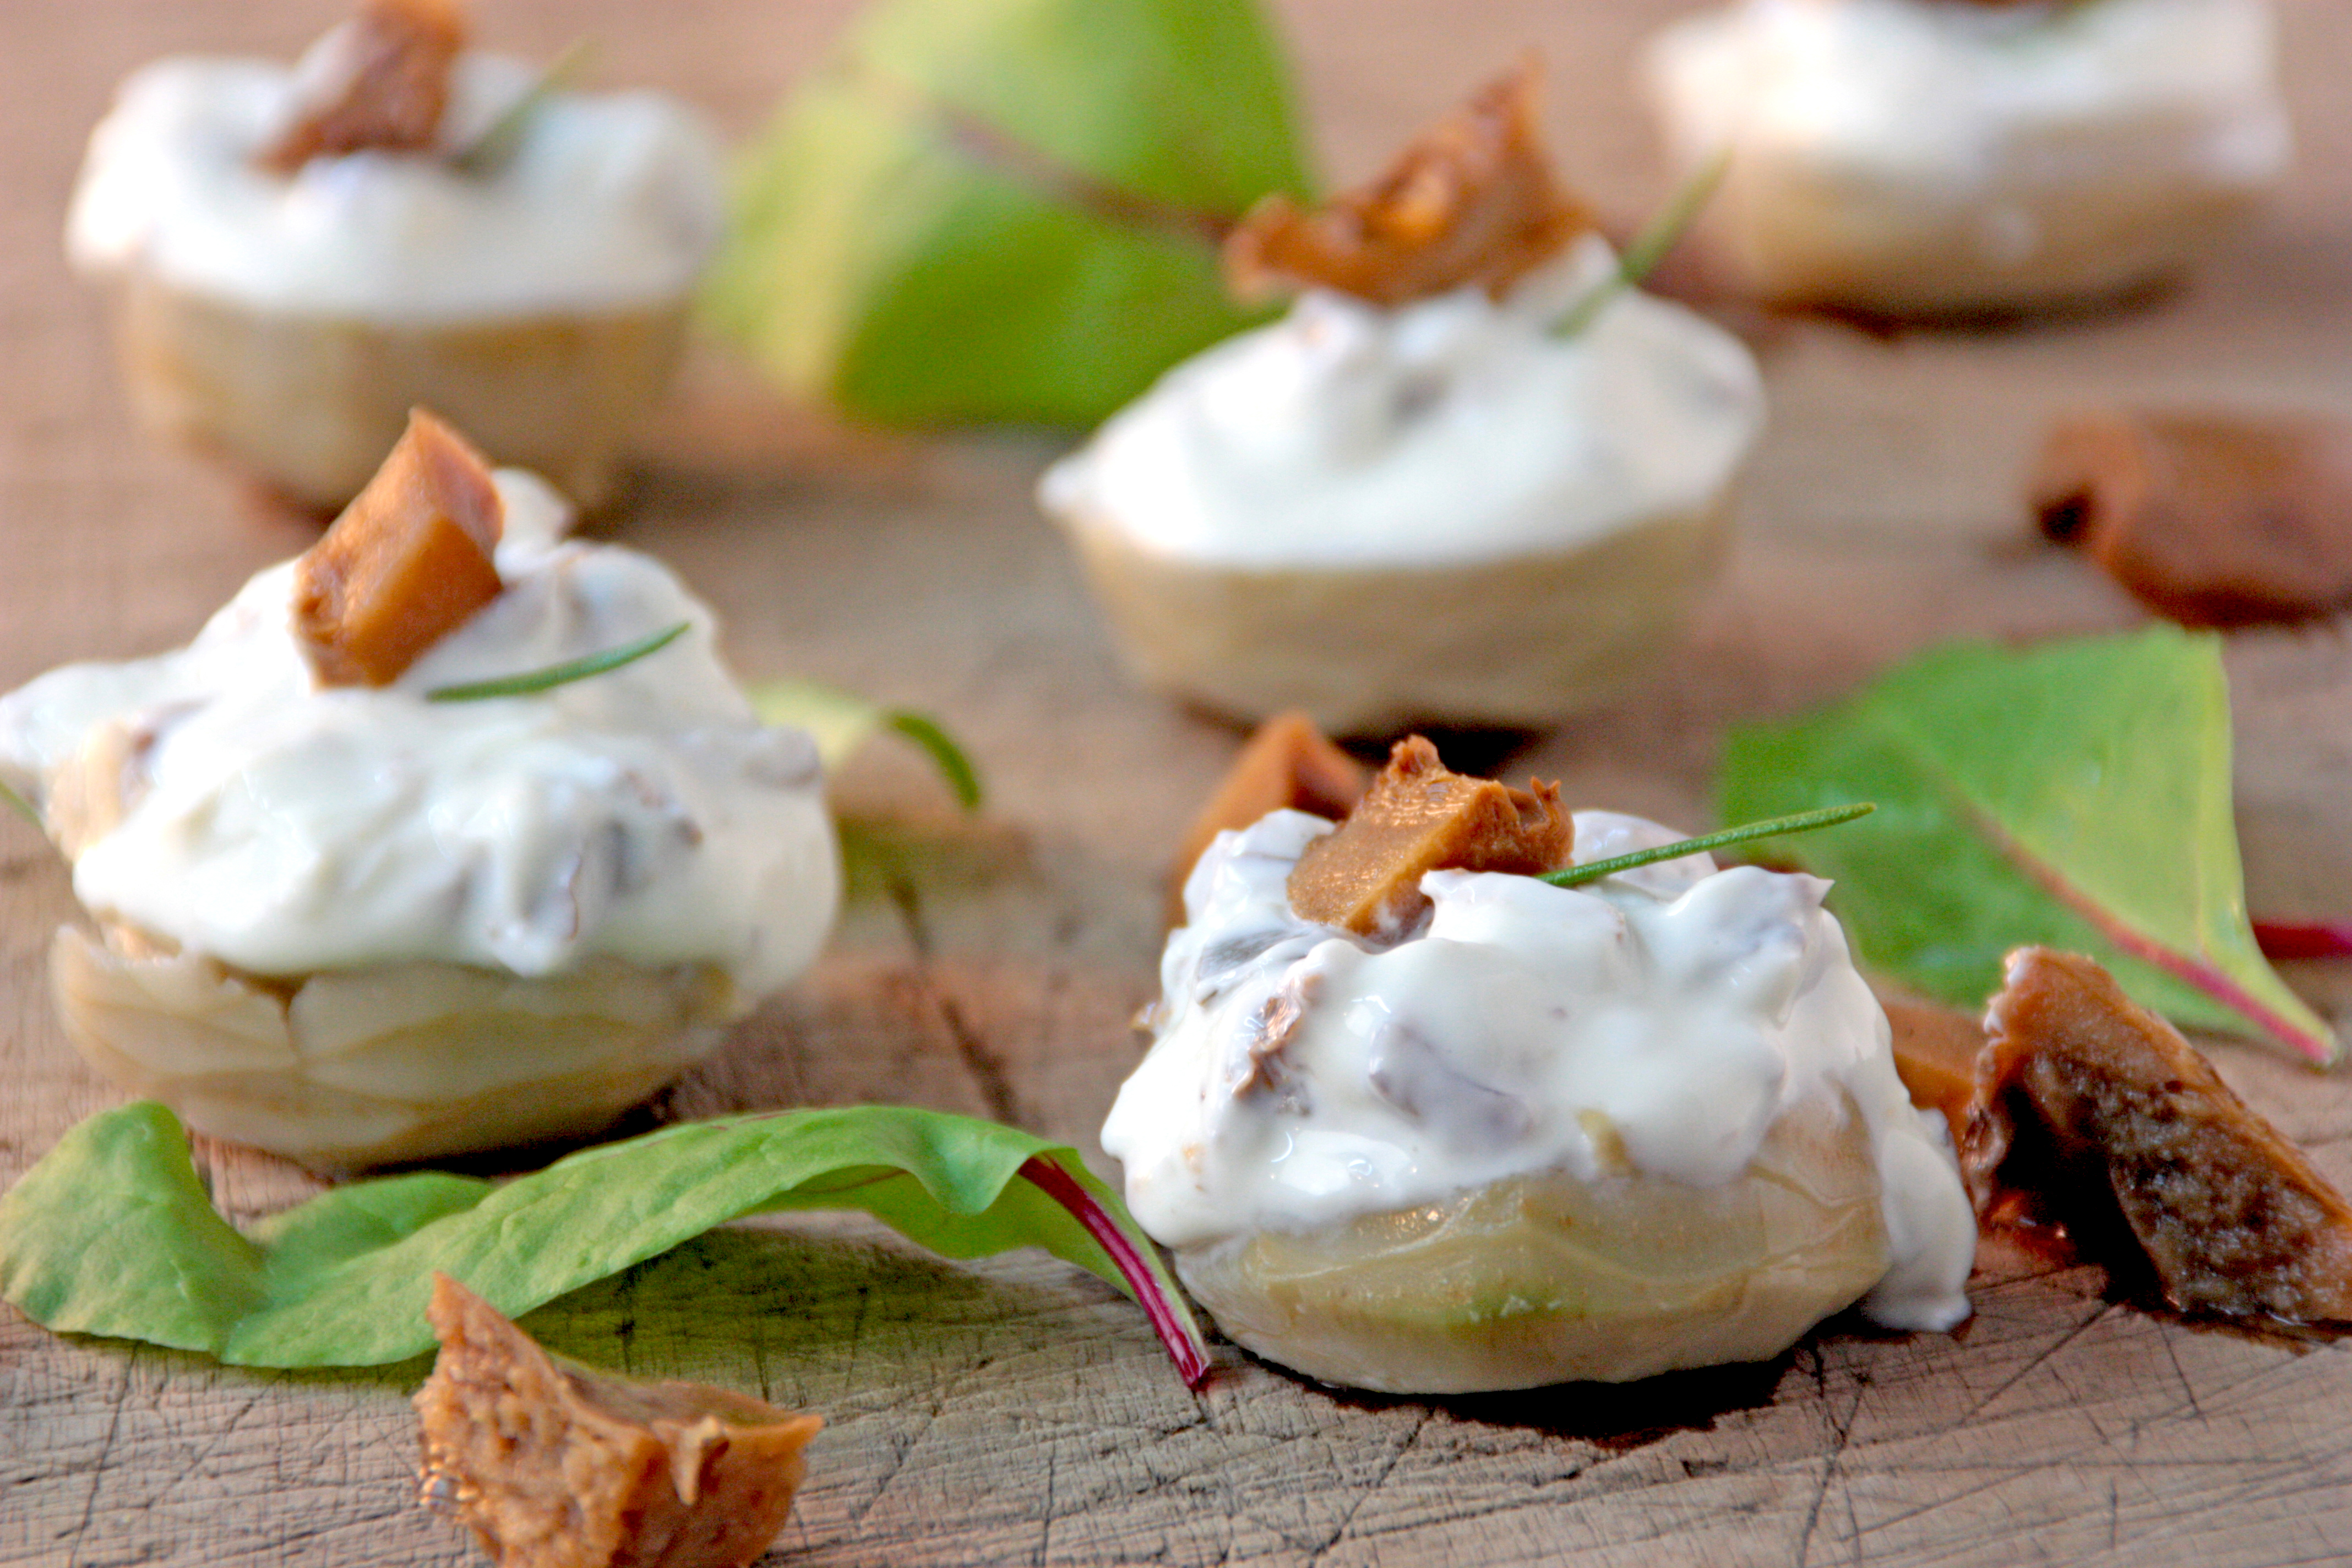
pixel 1419 817
pixel 2093 1113
pixel 379 81
pixel 1473 200
pixel 2210 519
pixel 552 1465
pixel 1287 764
pixel 409 560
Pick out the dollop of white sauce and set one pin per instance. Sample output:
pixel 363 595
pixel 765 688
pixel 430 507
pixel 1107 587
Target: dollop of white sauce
pixel 610 200
pixel 1948 94
pixel 1451 429
pixel 1678 1009
pixel 283 828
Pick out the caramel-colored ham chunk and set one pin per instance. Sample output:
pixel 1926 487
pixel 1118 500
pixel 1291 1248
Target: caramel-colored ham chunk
pixel 1935 1052
pixel 1472 201
pixel 383 82
pixel 1417 817
pixel 2093 1113
pixel 2212 520
pixel 408 562
pixel 1287 764
pixel 552 1465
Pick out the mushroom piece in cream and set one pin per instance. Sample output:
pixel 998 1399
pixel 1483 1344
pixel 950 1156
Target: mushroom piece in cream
pixel 1547 1134
pixel 1938 156
pixel 353 924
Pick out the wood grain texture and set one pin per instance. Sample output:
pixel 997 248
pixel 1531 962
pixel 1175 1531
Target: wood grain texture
pixel 1014 1411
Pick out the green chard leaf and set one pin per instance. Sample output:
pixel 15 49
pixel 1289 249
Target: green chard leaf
pixel 840 722
pixel 2075 795
pixel 111 1232
pixel 982 210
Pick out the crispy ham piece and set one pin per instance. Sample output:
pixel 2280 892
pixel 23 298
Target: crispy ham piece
pixel 1419 817
pixel 2209 519
pixel 1287 764
pixel 381 82
pixel 408 562
pixel 552 1465
pixel 1472 201
pixel 2091 1112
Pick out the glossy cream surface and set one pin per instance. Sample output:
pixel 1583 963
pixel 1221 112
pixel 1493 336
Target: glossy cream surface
pixel 610 201
pixel 1452 429
pixel 1951 95
pixel 1656 1023
pixel 283 828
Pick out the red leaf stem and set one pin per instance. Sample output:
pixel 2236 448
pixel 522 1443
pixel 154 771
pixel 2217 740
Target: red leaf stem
pixel 2294 939
pixel 1168 1318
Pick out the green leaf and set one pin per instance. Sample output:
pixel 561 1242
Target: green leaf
pixel 840 722
pixel 1006 209
pixel 530 681
pixel 112 1233
pixel 2075 794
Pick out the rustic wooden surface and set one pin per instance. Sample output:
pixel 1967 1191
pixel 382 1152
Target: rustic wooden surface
pixel 1014 1411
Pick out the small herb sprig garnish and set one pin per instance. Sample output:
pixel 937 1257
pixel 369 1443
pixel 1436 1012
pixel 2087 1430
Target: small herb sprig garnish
pixel 1770 828
pixel 564 674
pixel 1649 247
pixel 489 152
pixel 19 805
pixel 963 778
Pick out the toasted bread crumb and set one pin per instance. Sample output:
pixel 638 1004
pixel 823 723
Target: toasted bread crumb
pixel 409 560
pixel 1417 817
pixel 552 1465
pixel 1287 764
pixel 383 84
pixel 1472 200
pixel 2092 1112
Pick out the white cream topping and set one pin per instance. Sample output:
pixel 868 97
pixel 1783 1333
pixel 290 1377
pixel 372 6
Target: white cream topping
pixel 1447 430
pixel 283 828
pixel 1945 93
pixel 610 200
pixel 1681 1008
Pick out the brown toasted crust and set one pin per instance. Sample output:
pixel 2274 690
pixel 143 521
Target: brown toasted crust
pixel 2210 519
pixel 1417 817
pixel 384 86
pixel 552 1465
pixel 409 560
pixel 1472 200
pixel 2092 1112
pixel 1287 764
pixel 1935 1052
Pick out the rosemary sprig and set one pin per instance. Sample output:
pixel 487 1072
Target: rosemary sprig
pixel 1770 828
pixel 22 807
pixel 564 674
pixel 1648 247
pixel 497 143
pixel 963 778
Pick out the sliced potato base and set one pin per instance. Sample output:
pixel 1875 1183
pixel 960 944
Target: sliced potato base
pixel 345 1069
pixel 310 404
pixel 1796 234
pixel 1546 1279
pixel 1524 640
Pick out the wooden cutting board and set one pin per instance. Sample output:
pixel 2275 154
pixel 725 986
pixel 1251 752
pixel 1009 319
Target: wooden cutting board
pixel 1014 1411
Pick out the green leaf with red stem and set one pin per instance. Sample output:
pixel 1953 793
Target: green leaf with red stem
pixel 111 1232
pixel 2074 796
